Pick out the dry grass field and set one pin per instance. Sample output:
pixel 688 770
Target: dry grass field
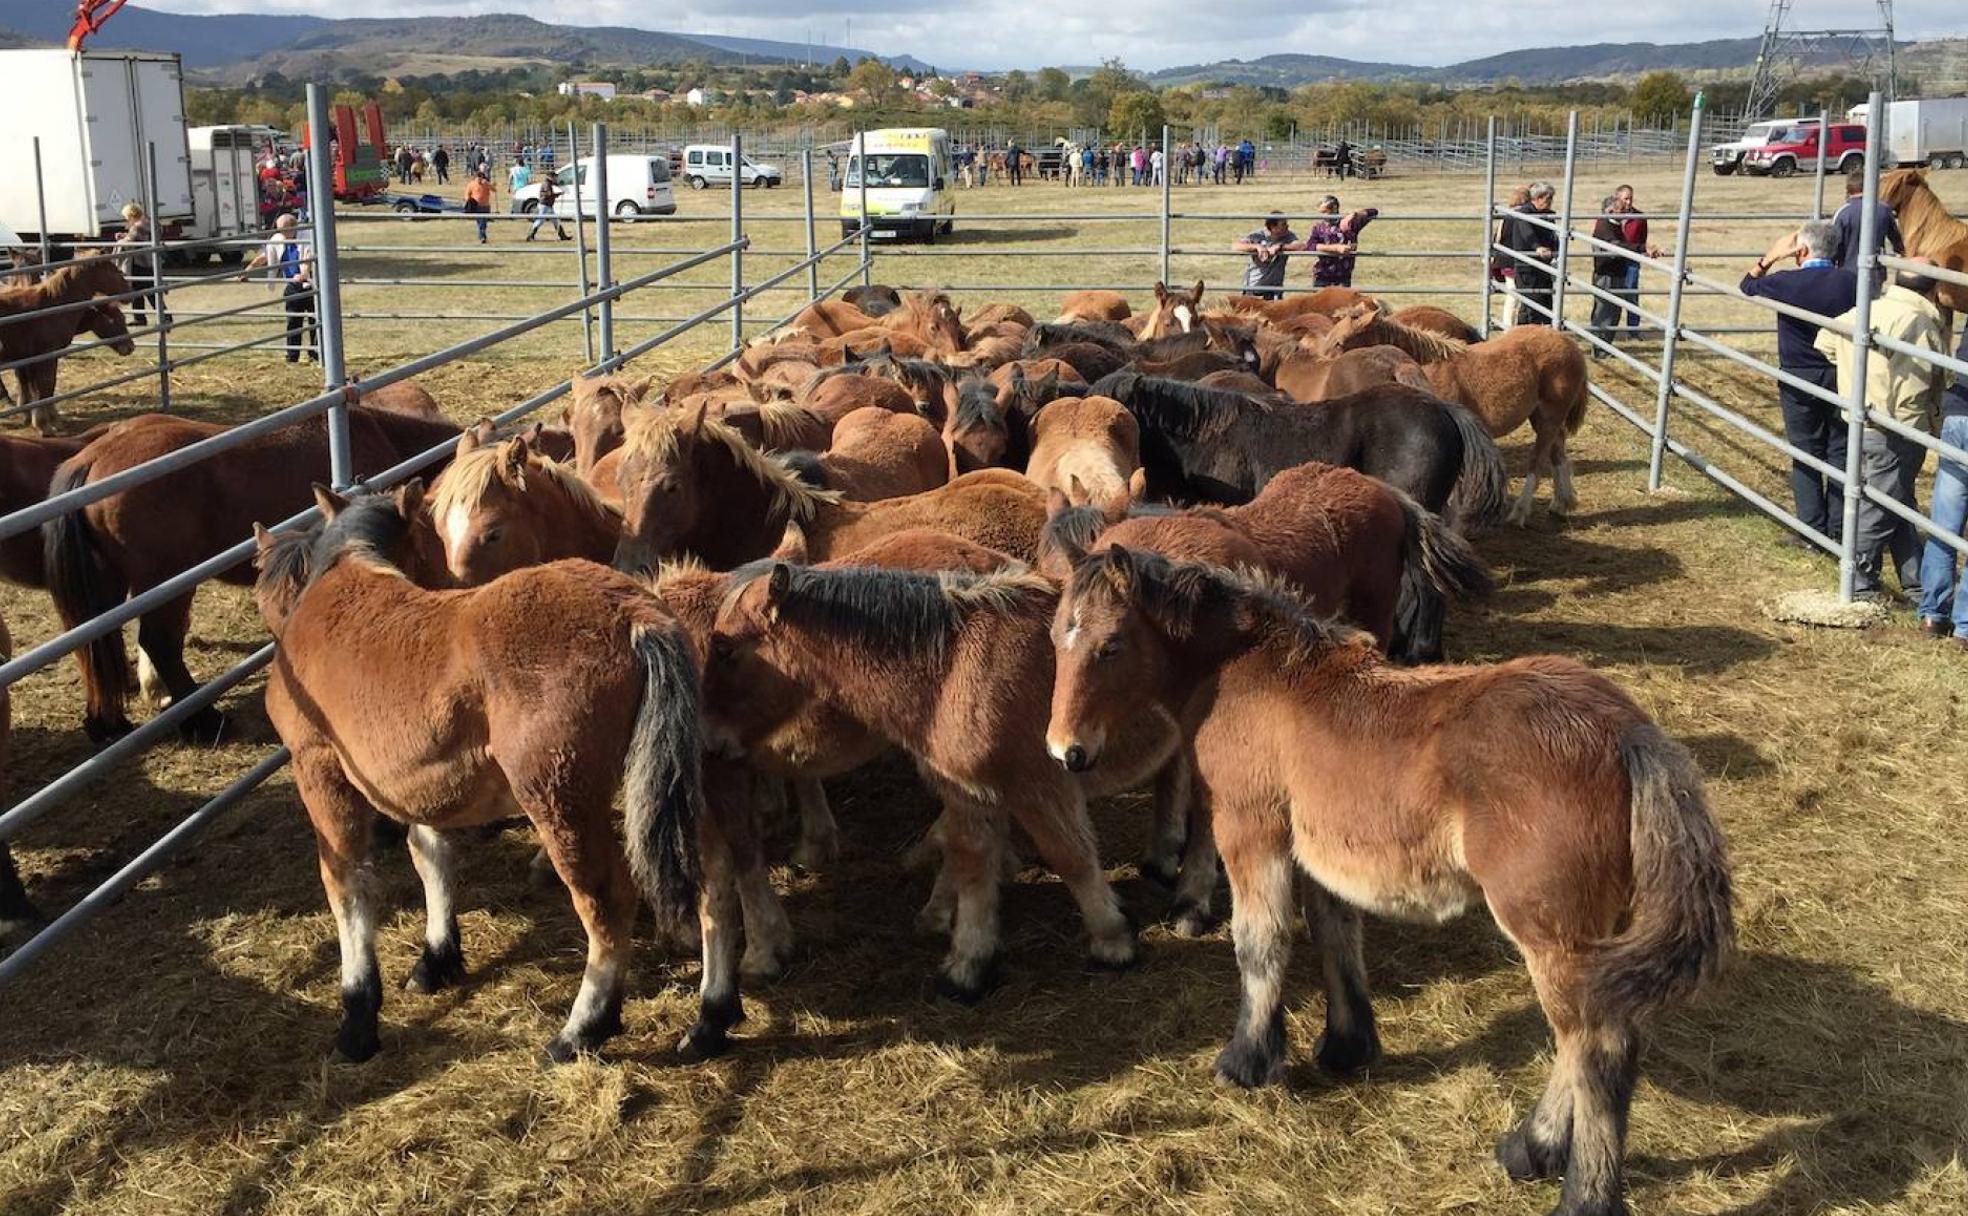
pixel 172 1056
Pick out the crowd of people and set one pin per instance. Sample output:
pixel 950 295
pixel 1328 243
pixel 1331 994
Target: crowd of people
pixel 1117 164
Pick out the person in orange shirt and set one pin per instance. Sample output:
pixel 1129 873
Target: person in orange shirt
pixel 478 199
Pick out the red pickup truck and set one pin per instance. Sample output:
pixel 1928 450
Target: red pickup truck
pixel 1795 147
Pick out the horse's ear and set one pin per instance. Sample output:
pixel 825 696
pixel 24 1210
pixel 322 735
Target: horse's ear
pixel 262 539
pixel 695 425
pixel 1057 503
pixel 467 442
pixel 531 435
pixel 409 497
pixel 1120 569
pixel 1161 292
pixel 512 459
pixel 331 503
pixel 1076 489
pixel 1046 388
pixel 779 582
pixel 634 393
pixel 1138 484
pixel 1196 293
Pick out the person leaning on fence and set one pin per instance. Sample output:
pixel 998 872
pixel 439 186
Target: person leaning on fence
pixel 545 214
pixel 1268 248
pixel 293 263
pixel 1886 226
pixel 478 199
pixel 1336 238
pixel 1620 225
pixel 140 267
pixel 1907 390
pixel 1811 424
pixel 1537 244
pixel 1943 596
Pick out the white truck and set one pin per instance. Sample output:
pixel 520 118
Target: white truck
pixel 1930 131
pixel 94 113
pixel 225 186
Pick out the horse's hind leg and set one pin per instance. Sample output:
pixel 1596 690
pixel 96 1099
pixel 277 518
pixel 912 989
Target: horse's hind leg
pixel 768 934
pixel 343 820
pixel 718 915
pixel 1163 861
pixel 1564 498
pixel 585 853
pixel 819 834
pixel 15 909
pixel 971 835
pixel 1350 1041
pixel 1195 885
pixel 443 961
pixel 1257 854
pixel 1057 822
pixel 161 638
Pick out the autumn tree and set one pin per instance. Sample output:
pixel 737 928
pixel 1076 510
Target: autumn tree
pixel 1660 97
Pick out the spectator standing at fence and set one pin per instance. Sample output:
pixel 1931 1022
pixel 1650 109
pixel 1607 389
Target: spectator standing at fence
pixel 1247 159
pixel 1157 167
pixel 1907 390
pixel 1336 238
pixel 1619 225
pixel 1269 249
pixel 441 161
pixel 1886 227
pixel 1812 425
pixel 1537 245
pixel 1943 598
pixel 518 178
pixel 546 214
pixel 1343 160
pixel 546 157
pixel 139 266
pixel 478 199
pixel 293 263
pixel 1014 171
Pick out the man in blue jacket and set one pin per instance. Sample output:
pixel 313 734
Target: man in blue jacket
pixel 1812 424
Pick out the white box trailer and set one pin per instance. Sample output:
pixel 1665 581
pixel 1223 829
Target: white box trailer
pixel 93 113
pixel 225 185
pixel 1930 131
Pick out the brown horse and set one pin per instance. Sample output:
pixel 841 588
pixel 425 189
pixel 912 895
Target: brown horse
pixel 1435 320
pixel 540 694
pixel 27 465
pixel 1089 450
pixel 1327 300
pixel 23 336
pixel 594 414
pixel 1094 306
pixel 37 380
pixel 921 660
pixel 930 317
pixel 876 454
pixel 1528 372
pixel 1929 230
pixel 1313 376
pixel 999 314
pixel 1174 313
pixel 691 485
pixel 830 319
pixel 1535 785
pixel 408 398
pixel 131 541
pixel 499 507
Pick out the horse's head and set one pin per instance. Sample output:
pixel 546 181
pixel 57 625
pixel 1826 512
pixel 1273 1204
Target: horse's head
pixel 1109 659
pixel 1174 313
pixel 105 321
pixel 938 321
pixel 379 527
pixel 1901 186
pixel 594 413
pixel 1350 327
pixel 976 432
pixel 499 507
pixel 658 481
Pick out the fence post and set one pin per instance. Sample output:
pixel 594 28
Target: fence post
pixel 581 243
pixel 327 283
pixel 604 217
pixel 1562 263
pixel 860 160
pixel 1855 393
pixel 1824 137
pixel 1489 217
pixel 737 234
pixel 41 203
pixel 158 293
pixel 1670 339
pixel 812 241
pixel 1165 203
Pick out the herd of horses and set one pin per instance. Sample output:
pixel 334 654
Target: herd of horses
pixel 1205 551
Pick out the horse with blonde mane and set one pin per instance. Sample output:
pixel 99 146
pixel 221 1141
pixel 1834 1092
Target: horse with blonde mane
pixel 1930 232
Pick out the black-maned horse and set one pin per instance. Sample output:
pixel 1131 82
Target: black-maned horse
pixel 1202 444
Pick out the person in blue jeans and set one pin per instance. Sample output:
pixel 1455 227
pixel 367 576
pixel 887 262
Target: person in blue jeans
pixel 1943 599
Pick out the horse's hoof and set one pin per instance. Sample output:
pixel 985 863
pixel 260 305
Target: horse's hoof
pixel 766 965
pixel 106 730
pixel 1247 1066
pixel 204 728
pixel 1119 955
pixel 1161 871
pixel 1345 1056
pixel 564 1048
pixel 701 1043
pixel 357 1044
pixel 968 992
pixel 1525 1161
pixel 436 970
pixel 1190 919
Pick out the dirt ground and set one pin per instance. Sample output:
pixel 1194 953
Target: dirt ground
pixel 172 1056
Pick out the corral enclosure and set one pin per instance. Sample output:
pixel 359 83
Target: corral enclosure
pixel 170 1057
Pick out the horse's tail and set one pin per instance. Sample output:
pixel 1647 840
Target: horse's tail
pixel 1581 390
pixel 1437 556
pixel 84 585
pixel 1482 485
pixel 662 782
pixel 1681 923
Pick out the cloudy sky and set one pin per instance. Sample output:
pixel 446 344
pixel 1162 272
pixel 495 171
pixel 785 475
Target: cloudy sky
pixel 1161 33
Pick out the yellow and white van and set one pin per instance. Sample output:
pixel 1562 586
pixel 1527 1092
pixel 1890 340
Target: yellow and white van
pixel 909 187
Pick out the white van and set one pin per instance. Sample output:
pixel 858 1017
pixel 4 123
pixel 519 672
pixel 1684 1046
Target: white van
pixel 710 165
pixel 637 185
pixel 908 183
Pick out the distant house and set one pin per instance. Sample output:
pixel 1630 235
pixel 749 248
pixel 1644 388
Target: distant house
pixel 588 88
pixel 701 97
pixel 656 95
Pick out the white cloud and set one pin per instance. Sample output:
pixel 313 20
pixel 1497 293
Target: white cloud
pixel 1159 33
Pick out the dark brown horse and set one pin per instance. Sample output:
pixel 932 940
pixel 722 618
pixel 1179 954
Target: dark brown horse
pixel 27 465
pixel 131 541
pixel 1535 786
pixel 37 380
pixel 540 694
pixel 23 336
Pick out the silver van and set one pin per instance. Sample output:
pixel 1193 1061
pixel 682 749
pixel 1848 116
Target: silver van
pixel 710 165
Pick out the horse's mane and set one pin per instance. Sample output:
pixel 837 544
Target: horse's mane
pixel 1048 334
pixel 1175 407
pixel 977 405
pixel 805 465
pixel 921 375
pixel 466 480
pixel 1174 596
pixel 368 528
pixel 1425 346
pixel 657 435
pixel 1075 529
pixel 781 418
pixel 906 610
pixel 1924 219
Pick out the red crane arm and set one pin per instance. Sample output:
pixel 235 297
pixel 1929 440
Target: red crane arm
pixel 89 18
